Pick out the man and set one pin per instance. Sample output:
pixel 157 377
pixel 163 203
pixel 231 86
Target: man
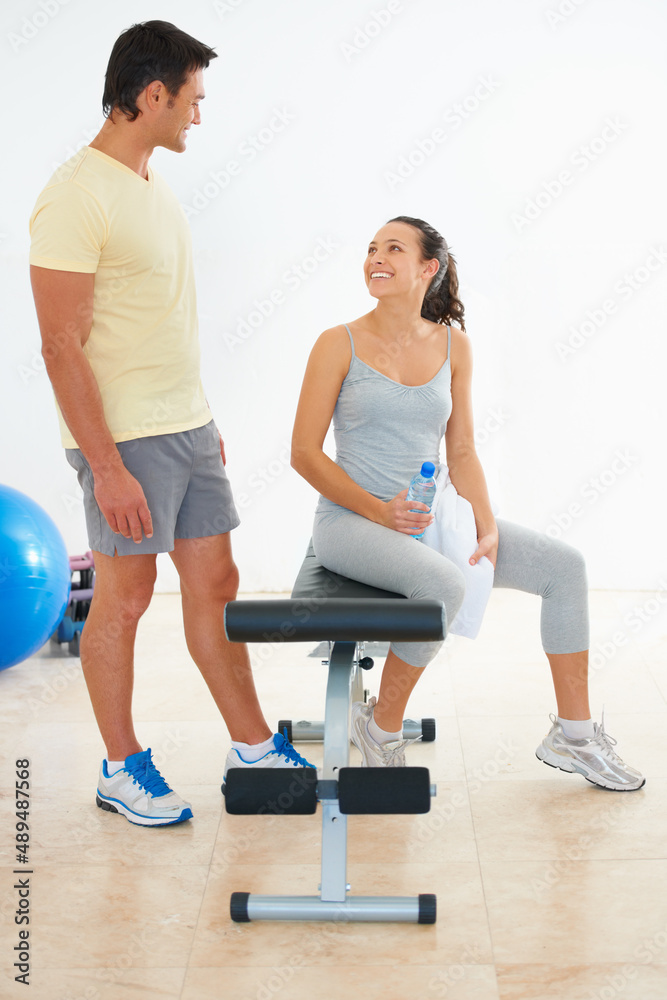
pixel 112 278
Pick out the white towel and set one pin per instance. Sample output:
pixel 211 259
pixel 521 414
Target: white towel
pixel 454 534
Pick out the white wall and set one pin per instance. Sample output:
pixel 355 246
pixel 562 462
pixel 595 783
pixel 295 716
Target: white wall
pixel 520 93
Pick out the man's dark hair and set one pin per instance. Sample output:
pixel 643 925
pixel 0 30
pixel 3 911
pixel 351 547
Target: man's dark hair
pixel 154 50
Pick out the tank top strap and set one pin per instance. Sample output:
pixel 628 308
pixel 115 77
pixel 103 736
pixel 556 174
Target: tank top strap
pixel 449 344
pixel 349 332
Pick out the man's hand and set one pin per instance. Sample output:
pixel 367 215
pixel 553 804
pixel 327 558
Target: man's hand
pixel 122 501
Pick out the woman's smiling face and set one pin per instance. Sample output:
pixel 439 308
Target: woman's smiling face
pixel 394 263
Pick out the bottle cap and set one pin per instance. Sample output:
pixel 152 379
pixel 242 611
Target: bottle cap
pixel 428 468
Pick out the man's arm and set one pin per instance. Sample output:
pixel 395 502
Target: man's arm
pixel 64 303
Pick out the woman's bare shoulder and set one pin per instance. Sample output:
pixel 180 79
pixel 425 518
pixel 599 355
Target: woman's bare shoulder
pixel 332 348
pixel 335 334
pixel 461 350
pixel 459 338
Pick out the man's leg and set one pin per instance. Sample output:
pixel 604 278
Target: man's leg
pixel 209 579
pixel 123 590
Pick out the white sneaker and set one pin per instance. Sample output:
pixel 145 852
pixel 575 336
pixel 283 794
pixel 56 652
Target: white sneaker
pixel 594 757
pixel 282 755
pixel 139 792
pixel 374 754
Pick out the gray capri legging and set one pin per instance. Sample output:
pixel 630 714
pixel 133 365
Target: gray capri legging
pixel 528 560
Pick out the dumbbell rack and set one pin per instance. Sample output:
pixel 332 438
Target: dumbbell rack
pixel 340 790
pixel 81 594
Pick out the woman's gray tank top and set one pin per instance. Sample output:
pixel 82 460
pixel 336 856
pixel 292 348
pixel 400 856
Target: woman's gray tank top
pixel 384 430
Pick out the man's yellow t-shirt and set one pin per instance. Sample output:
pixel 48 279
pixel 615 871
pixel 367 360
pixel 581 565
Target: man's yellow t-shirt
pixel 96 215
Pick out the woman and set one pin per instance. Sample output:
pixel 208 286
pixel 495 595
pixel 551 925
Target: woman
pixel 395 381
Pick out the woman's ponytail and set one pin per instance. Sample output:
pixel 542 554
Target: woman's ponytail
pixel 441 302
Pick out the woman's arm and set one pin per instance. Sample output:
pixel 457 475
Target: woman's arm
pixel 465 470
pixel 326 370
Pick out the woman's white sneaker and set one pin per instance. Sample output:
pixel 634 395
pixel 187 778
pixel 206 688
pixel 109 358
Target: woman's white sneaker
pixel 594 757
pixel 374 754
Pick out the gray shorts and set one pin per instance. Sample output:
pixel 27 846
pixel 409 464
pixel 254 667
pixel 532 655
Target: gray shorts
pixel 185 484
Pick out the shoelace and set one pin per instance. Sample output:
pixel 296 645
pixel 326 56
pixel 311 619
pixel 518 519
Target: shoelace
pixel 394 756
pixel 285 749
pixel 145 773
pixel 605 741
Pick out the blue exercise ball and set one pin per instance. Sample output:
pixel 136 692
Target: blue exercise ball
pixel 34 577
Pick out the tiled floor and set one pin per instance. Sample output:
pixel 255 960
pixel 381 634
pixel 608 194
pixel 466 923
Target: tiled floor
pixel 547 887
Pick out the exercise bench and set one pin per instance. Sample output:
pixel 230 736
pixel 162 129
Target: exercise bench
pixel 327 607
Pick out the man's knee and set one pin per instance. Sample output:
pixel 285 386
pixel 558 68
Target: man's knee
pixel 136 602
pixel 228 581
pixel 220 582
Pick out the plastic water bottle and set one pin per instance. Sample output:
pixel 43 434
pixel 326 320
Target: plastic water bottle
pixel 422 488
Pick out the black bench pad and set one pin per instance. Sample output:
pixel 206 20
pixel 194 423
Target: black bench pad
pixel 335 618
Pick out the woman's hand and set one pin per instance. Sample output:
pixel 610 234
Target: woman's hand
pixel 487 545
pixel 408 516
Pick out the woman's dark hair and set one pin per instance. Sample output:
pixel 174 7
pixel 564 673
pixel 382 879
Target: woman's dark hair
pixel 441 302
pixel 154 50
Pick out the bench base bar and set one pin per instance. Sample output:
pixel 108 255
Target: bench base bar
pixel 313 732
pixel 370 909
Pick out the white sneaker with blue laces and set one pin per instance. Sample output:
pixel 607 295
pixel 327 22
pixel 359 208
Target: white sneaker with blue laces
pixel 282 755
pixel 139 792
